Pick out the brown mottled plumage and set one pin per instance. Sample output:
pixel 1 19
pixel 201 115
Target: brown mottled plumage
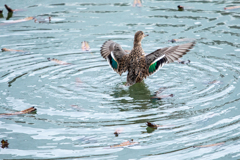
pixel 139 65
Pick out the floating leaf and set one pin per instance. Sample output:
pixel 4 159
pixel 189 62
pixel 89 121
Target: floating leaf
pixel 182 40
pixel 118 131
pixel 29 110
pixel 184 62
pixel 11 50
pixel 155 126
pixel 4 144
pixel 152 125
pixel 137 3
pixel 85 46
pixel 180 8
pixel 58 61
pixel 162 96
pixel 209 145
pixel 38 20
pixel 124 144
pixel 234 7
pixel 8 8
pixel 18 21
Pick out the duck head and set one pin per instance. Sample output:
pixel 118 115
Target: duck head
pixel 139 35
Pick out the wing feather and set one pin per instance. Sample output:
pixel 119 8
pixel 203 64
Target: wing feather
pixel 158 58
pixel 105 49
pixel 115 55
pixel 157 64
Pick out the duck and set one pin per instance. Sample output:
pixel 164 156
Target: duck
pixel 139 64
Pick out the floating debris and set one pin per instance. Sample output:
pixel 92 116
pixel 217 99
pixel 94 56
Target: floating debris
pixel 182 40
pixel 9 9
pixel 11 50
pixel 173 40
pixel 234 7
pixel 152 125
pixel 184 62
pixel 85 46
pixel 87 140
pixel 18 21
pixel 58 61
pixel 42 20
pixel 158 97
pixel 118 131
pixel 4 144
pixel 78 82
pixel 210 145
pixel 160 90
pixel 180 8
pixel 29 110
pixel 137 3
pixel 124 144
pixel 215 82
pixel 76 107
pixel 155 126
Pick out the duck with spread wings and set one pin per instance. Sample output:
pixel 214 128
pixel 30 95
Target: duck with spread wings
pixel 139 65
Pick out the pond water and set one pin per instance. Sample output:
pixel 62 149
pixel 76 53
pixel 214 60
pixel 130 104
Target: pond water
pixel 79 106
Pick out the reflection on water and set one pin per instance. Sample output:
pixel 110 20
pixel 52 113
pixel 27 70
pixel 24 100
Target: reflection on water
pixel 81 106
pixel 136 92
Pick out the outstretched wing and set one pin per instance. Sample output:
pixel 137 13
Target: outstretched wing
pixel 115 55
pixel 158 58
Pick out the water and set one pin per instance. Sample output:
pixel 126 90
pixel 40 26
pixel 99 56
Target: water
pixel 80 106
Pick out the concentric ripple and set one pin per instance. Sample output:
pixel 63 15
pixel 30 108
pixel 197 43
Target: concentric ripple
pixel 81 101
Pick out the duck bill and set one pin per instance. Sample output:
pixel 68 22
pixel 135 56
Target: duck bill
pixel 146 35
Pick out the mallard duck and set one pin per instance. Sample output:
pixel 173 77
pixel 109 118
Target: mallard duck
pixel 137 63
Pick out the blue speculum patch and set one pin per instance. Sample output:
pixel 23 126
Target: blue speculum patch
pixel 114 64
